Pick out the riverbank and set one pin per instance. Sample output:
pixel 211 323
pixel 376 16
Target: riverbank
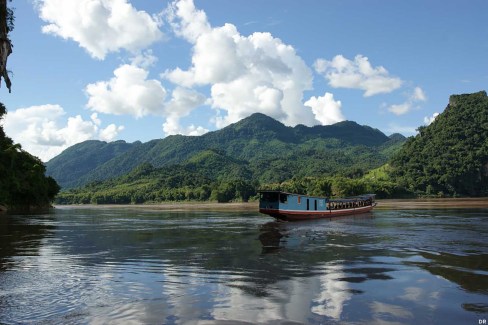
pixel 29 209
pixel 172 206
pixel 390 204
pixel 444 203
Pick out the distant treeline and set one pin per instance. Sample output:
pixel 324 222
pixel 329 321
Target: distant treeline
pixel 147 184
pixel 445 159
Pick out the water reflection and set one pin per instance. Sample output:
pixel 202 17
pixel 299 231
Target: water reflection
pixel 380 311
pixel 270 236
pixel 330 289
pixel 334 292
pixel 468 271
pixel 114 266
pixel 22 236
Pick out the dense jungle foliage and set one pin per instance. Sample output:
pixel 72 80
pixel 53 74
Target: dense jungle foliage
pixel 227 165
pixel 447 158
pixel 146 184
pixel 450 156
pixel 23 183
pixel 271 151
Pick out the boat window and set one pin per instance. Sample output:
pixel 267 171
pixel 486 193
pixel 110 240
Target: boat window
pixel 299 199
pixel 270 196
pixel 283 198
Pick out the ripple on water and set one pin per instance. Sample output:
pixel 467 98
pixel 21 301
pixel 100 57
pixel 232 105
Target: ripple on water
pixel 157 267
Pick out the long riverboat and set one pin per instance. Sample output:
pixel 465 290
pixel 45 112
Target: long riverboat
pixel 293 207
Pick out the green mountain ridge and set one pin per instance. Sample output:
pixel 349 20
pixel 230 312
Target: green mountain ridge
pixel 260 142
pixel 84 157
pixel 450 156
pixel 447 158
pixel 208 161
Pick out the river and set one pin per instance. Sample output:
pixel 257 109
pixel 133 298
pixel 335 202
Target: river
pixel 145 266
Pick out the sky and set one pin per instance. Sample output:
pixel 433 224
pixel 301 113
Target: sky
pixel 138 70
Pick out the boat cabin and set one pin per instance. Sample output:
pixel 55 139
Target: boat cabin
pixel 278 200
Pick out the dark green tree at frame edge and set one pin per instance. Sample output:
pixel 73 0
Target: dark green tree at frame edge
pixel 23 184
pixel 6 26
pixel 450 156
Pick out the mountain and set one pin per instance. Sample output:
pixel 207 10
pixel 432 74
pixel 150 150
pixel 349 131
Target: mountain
pixel 207 162
pixel 72 164
pixel 450 156
pixel 193 180
pixel 397 137
pixel 263 148
pixel 348 131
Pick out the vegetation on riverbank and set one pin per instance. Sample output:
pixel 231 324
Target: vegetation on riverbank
pixel 448 158
pixel 256 148
pixel 159 186
pixel 230 164
pixel 23 185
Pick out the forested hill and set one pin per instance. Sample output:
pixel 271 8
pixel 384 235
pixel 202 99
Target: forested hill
pixel 450 156
pixel 268 150
pixel 82 158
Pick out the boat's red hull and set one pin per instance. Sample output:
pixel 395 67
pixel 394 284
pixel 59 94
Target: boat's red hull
pixel 306 215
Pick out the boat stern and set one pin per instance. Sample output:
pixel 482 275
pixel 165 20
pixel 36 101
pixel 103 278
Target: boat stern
pixel 269 202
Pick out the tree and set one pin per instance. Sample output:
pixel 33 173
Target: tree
pixel 3 111
pixel 23 183
pixel 6 26
pixel 450 156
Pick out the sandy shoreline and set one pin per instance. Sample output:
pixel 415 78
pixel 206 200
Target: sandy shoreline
pixel 174 206
pixel 391 204
pixel 450 203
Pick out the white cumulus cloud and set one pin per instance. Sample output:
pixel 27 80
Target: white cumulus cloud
pixel 128 92
pixel 357 74
pixel 187 21
pixel 100 26
pixel 418 95
pixel 327 110
pixel 110 132
pixel 246 74
pixel 44 132
pixel 144 59
pixel 413 99
pixel 429 119
pixel 400 109
pixel 182 102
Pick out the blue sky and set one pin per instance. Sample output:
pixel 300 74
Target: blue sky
pixel 141 70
